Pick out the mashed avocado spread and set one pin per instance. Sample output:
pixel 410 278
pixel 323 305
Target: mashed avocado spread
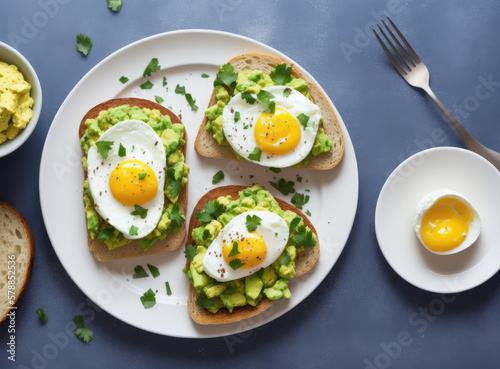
pixel 270 282
pixel 252 81
pixel 172 137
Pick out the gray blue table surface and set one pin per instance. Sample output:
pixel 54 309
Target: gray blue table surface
pixel 356 316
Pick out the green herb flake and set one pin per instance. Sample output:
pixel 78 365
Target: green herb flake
pixel 226 75
pixel 299 200
pixel 255 154
pixel 103 147
pixel 265 98
pixel 191 102
pixel 248 97
pixel 219 176
pixel 252 221
pixel 234 250
pixel 164 82
pixel 153 270
pixel 122 151
pixel 236 264
pixel 304 120
pixel 211 211
pixel 177 217
pixel 105 234
pixel 83 44
pixel 259 272
pixel 159 99
pixel 282 74
pixel 143 213
pixel 181 90
pixel 115 5
pixel 204 302
pixel 204 75
pixel 123 79
pixel 190 252
pixel 142 176
pixel 148 85
pixel 169 291
pixel 147 243
pixel 152 67
pixel 42 315
pixel 148 299
pixel 304 237
pixel 285 259
pixel 230 288
pixel 133 230
pixel 294 223
pixel 275 170
pixel 308 213
pixel 86 335
pixel 284 186
pixel 236 116
pixel 286 92
pixel 139 272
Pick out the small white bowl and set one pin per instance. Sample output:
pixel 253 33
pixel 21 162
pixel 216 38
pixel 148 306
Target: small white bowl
pixel 11 56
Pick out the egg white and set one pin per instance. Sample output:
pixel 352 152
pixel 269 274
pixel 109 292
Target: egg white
pixel 274 231
pixel 142 143
pixel 241 134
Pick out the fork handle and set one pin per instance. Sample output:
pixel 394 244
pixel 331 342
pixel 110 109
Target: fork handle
pixel 471 143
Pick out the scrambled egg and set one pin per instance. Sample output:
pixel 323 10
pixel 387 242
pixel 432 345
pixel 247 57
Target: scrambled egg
pixel 15 102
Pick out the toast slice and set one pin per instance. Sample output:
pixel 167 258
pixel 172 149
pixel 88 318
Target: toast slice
pixel 17 249
pixel 304 262
pixel 207 146
pixel 133 249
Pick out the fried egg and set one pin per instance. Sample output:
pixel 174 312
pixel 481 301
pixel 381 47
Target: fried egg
pixel 237 252
pixel 126 177
pixel 446 223
pixel 274 128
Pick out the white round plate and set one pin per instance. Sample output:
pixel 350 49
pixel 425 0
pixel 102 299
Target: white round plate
pixel 444 167
pixel 184 56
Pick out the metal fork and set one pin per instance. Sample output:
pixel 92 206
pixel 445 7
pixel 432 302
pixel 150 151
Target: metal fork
pixel 414 71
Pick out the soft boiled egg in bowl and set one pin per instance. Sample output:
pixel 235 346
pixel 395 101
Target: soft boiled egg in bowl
pixel 446 223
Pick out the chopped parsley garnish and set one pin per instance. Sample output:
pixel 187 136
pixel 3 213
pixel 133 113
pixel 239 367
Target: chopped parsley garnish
pixel 204 302
pixel 123 79
pixel 164 83
pixel 299 200
pixel 148 85
pixel 105 234
pixel 103 147
pixel 255 154
pixel 175 185
pixel 245 126
pixel 83 43
pixel 275 170
pixel 304 120
pixel 304 237
pixel 282 74
pixel 115 5
pixel 139 272
pixel 212 211
pixel 152 67
pixel 143 213
pixel 236 264
pixel 154 270
pixel 86 335
pixel 204 75
pixel 206 234
pixel 42 315
pixel 299 179
pixel 191 102
pixel 230 289
pixel 133 230
pixel 252 221
pixel 236 116
pixel 122 151
pixel 226 75
pixel 284 186
pixel 181 90
pixel 219 176
pixel 285 259
pixel 234 250
pixel 259 272
pixel 142 176
pixel 147 243
pixel 190 252
pixel 248 97
pixel 148 299
pixel 265 98
pixel 176 217
pixel 308 212
pixel 286 92
pixel 159 99
pixel 294 223
pixel 167 286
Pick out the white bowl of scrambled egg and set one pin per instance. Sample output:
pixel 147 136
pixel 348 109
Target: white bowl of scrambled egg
pixel 20 99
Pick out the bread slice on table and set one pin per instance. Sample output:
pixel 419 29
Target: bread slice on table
pixel 133 249
pixel 15 239
pixel 207 146
pixel 304 262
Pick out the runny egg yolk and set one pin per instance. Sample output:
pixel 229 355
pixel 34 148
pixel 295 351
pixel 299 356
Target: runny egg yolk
pixel 251 250
pixel 446 224
pixel 133 182
pixel 277 133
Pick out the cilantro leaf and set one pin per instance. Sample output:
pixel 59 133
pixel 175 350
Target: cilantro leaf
pixel 275 170
pixel 167 286
pixel 294 223
pixel 142 176
pixel 153 66
pixel 299 200
pixel 285 259
pixel 304 237
pixel 248 97
pixel 148 299
pixel 115 5
pixel 226 75
pixel 122 151
pixel 219 176
pixel 148 85
pixel 203 216
pixel 181 90
pixel 284 186
pixel 308 213
pixel 147 243
pixel 236 116
pixel 133 230
pixel 265 98
pixel 204 75
pixel 234 250
pixel 42 315
pixel 154 270
pixel 236 264
pixel 139 272
pixel 86 335
pixel 176 216
pixel 105 234
pixel 191 102
pixel 159 99
pixel 212 211
pixel 255 154
pixel 123 79
pixel 204 302
pixel 252 221
pixel 259 272
pixel 304 120
pixel 83 44
pixel 206 234
pixel 286 92
pixel 282 74
pixel 143 213
pixel 175 185
pixel 164 81
pixel 190 252
pixel 103 147
pixel 230 289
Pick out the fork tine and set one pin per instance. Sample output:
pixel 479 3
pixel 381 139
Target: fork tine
pixel 400 46
pixel 413 53
pixel 389 54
